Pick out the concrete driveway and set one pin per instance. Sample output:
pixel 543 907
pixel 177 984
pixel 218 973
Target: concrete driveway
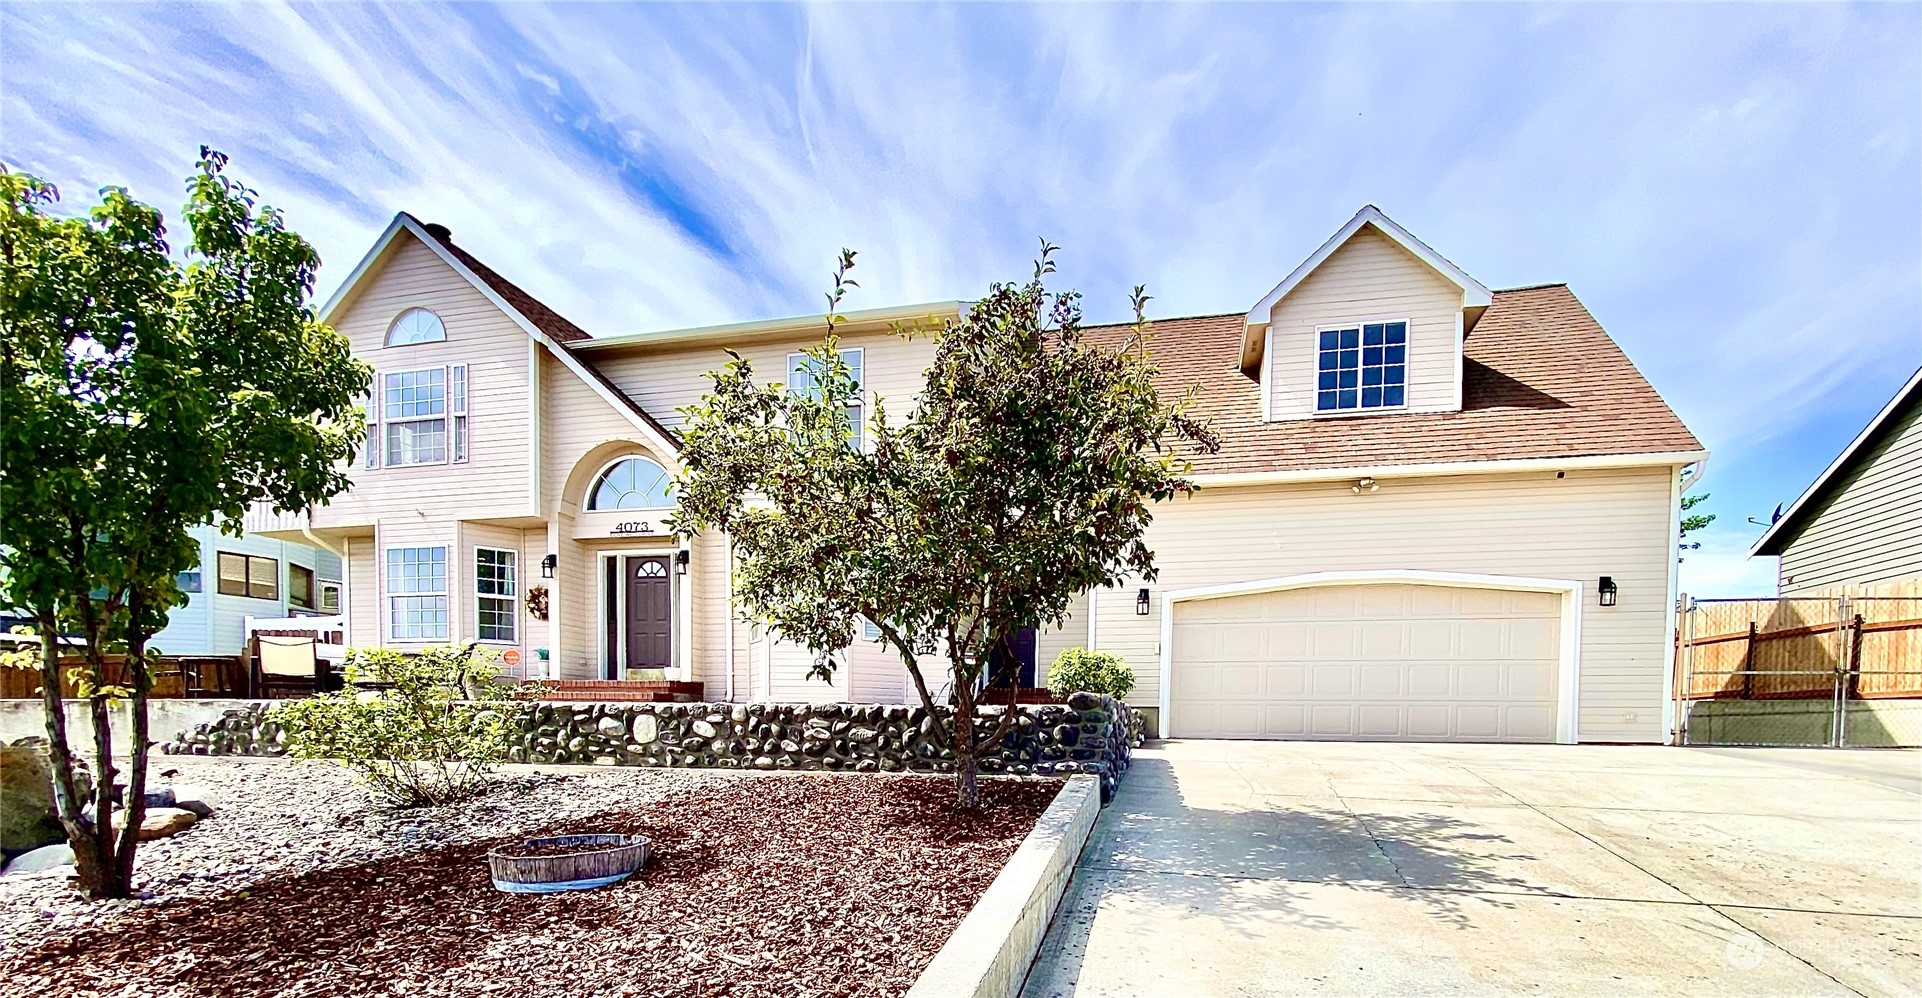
pixel 1259 868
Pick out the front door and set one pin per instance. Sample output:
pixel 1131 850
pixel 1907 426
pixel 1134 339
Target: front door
pixel 650 612
pixel 1013 660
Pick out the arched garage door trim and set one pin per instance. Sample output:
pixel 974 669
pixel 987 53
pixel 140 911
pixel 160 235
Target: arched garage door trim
pixel 1571 621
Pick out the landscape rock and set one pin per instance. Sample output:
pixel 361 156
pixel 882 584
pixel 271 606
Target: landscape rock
pixel 1043 740
pixel 27 819
pixel 192 798
pixel 40 860
pixel 162 822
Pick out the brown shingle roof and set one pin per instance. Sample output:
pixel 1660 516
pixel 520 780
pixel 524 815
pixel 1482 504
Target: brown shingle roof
pixel 1541 379
pixel 555 325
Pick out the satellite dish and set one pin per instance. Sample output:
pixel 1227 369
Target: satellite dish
pixel 1777 515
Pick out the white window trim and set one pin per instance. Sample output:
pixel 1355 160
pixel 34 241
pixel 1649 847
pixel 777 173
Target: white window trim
pixel 387 596
pixel 594 485
pixel 457 429
pixel 387 340
pixel 862 427
pixel 514 604
pixel 340 595
pixel 1314 369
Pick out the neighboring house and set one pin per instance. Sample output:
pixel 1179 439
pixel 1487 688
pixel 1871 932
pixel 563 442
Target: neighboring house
pixel 247 576
pixel 1860 523
pixel 1439 512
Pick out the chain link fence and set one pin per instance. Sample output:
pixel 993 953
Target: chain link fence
pixel 1840 669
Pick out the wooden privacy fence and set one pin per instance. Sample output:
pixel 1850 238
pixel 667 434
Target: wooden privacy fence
pixel 1858 643
pixel 216 674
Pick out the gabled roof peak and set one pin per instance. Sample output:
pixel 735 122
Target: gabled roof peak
pixel 1475 296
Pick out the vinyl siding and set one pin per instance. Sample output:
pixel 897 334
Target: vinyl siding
pixel 1869 529
pixel 1369 279
pixel 1592 523
pixel 575 420
pixel 664 379
pixel 1049 642
pixel 213 624
pixel 494 480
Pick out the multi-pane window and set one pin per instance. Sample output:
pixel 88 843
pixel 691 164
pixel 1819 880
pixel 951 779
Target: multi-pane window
pixel 1362 367
pixel 416 325
pixel 417 594
pixel 633 483
pixel 249 575
pixel 805 373
pixel 300 587
pixel 494 592
pixel 420 417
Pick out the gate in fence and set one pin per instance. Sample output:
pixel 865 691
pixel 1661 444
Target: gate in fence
pixel 1831 670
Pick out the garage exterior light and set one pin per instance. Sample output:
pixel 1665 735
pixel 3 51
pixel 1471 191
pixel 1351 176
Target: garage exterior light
pixel 1141 603
pixel 1607 590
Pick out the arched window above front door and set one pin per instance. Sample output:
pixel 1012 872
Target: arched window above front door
pixel 632 483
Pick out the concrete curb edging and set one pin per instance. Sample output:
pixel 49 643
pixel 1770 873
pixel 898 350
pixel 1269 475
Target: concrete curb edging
pixel 989 954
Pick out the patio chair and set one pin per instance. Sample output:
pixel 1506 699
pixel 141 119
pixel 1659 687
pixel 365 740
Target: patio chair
pixel 199 676
pixel 286 662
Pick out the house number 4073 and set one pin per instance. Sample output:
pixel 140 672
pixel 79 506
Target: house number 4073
pixel 634 527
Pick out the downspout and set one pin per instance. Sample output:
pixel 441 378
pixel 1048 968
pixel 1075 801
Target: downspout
pixel 727 634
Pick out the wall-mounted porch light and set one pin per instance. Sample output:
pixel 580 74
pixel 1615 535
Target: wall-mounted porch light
pixel 1607 590
pixel 680 563
pixel 547 565
pixel 1364 485
pixel 1141 603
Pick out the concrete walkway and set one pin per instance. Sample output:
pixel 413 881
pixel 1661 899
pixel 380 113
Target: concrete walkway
pixel 1274 868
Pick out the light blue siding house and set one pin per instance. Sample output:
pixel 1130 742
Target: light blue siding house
pixel 247 576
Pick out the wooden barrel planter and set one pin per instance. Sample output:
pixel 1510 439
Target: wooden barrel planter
pixel 567 863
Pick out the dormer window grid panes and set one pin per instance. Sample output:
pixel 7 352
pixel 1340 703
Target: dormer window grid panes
pixel 1362 367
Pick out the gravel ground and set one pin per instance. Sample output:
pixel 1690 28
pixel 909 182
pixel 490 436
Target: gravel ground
pixel 761 885
pixel 276 818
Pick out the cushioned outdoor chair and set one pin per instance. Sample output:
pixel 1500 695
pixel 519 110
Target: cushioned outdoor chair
pixel 286 663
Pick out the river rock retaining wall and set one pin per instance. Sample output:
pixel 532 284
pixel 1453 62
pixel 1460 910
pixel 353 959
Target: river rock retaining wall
pixel 1089 734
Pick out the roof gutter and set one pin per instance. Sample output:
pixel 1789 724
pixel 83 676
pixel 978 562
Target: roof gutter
pixel 790 326
pixel 1519 465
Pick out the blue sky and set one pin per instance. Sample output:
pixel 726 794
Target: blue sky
pixel 1736 192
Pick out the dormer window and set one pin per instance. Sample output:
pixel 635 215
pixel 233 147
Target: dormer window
pixel 1364 366
pixel 416 325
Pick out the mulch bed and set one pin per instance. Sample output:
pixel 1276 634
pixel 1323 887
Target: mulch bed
pixel 780 886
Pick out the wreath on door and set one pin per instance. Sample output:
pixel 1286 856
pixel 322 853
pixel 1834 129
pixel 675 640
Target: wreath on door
pixel 537 602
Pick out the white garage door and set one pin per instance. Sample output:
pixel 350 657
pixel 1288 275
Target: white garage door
pixel 1388 662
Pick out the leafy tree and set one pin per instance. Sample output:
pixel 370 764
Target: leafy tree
pixel 1691 522
pixel 1022 479
pixel 432 736
pixel 145 395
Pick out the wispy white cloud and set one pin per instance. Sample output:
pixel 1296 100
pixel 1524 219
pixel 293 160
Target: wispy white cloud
pixel 1731 189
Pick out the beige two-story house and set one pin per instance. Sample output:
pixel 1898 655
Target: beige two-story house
pixel 1439 512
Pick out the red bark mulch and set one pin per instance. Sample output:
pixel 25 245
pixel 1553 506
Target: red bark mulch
pixel 780 886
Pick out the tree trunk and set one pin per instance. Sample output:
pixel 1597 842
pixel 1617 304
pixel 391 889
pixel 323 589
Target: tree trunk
pixel 66 792
pixel 967 790
pixel 141 682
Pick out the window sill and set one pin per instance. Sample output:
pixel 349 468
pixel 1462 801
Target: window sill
pixel 1380 410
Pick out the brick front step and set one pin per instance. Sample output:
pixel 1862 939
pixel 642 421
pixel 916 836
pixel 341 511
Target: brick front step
pixel 623 690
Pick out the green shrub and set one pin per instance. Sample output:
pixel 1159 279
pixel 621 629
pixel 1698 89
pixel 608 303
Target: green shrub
pixel 427 729
pixel 1078 670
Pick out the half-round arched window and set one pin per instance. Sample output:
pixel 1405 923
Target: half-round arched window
pixel 632 483
pixel 416 325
